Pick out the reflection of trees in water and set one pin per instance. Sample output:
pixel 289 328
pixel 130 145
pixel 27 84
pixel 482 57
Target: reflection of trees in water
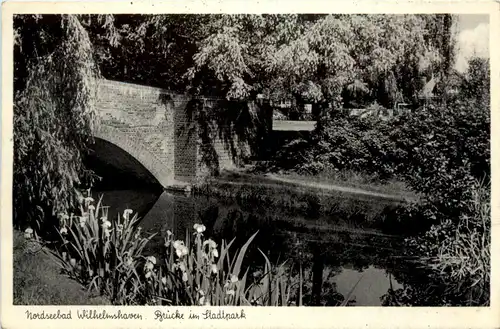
pixel 323 292
pixel 422 287
pixel 324 253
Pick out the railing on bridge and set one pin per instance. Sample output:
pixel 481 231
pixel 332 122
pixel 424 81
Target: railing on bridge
pixel 293 125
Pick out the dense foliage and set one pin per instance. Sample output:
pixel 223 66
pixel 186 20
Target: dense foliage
pixel 313 58
pixel 53 115
pixel 439 149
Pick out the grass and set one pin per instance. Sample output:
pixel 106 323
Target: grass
pixel 38 279
pixel 464 256
pixel 341 178
pixel 355 180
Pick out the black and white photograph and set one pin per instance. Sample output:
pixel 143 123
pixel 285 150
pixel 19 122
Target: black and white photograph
pixel 212 160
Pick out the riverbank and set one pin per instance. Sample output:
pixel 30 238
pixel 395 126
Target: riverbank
pixel 295 198
pixel 351 185
pixel 298 195
pixel 38 279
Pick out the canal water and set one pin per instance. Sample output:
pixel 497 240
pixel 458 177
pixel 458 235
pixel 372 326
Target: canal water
pixel 363 267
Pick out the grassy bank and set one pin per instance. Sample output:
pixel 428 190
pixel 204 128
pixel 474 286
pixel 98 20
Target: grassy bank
pixel 355 180
pixel 299 198
pixel 38 279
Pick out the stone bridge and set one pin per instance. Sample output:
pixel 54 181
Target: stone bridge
pixel 148 127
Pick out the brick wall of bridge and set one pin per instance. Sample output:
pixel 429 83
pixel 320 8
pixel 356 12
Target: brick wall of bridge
pixel 151 124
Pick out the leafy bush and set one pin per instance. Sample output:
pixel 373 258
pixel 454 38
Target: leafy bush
pixel 438 151
pixel 349 143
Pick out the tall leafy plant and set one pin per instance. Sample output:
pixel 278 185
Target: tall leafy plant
pixel 54 115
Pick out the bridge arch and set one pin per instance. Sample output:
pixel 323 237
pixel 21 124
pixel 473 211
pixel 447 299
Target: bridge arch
pixel 136 151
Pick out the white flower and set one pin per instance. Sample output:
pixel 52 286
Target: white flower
pixel 126 213
pixel 91 207
pixel 106 224
pixel 211 243
pixel 148 275
pixel 169 233
pixel 64 231
pixel 82 221
pixel 214 269
pixel 149 266
pixel 152 259
pixel 89 199
pixel 180 248
pixel 72 261
pixel 230 292
pixel 28 233
pixel 164 280
pixel 215 253
pixel 104 218
pixel 184 277
pixel 200 228
pixel 178 244
pixel 181 251
pixel 234 278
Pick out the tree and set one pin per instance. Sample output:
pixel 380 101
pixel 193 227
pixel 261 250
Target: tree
pixel 316 59
pixel 476 82
pixel 54 117
pixel 147 49
pixel 320 59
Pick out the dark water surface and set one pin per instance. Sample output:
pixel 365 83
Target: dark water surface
pixel 341 260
